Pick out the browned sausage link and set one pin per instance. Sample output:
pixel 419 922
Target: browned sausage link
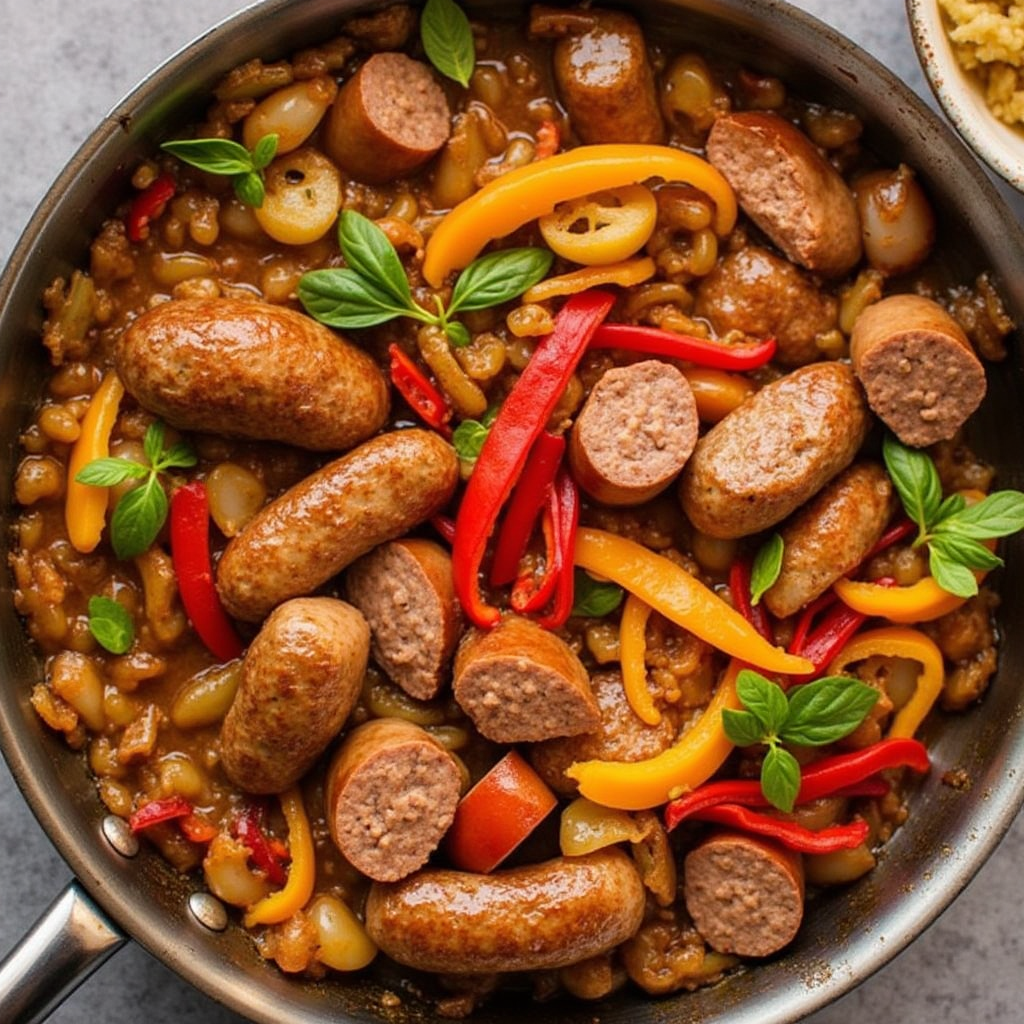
pixel 250 369
pixel 776 450
pixel 920 373
pixel 745 895
pixel 831 536
pixel 405 590
pixel 759 293
pixel 391 796
pixel 388 119
pixel 602 72
pixel 520 684
pixel 301 678
pixel 375 493
pixel 634 434
pixel 531 918
pixel 788 189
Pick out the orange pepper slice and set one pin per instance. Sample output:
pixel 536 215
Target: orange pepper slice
pixel 632 650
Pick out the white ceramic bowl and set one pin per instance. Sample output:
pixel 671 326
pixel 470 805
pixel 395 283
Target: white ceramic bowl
pixel 962 96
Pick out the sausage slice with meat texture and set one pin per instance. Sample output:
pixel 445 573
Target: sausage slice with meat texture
pixel 788 189
pixel 250 369
pixel 538 917
pixel 745 895
pixel 375 493
pixel 831 536
pixel 602 74
pixel 775 451
pixel 388 119
pixel 634 433
pixel 301 677
pixel 920 373
pixel 392 790
pixel 759 293
pixel 405 590
pixel 520 683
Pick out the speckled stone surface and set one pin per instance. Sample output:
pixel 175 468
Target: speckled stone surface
pixel 62 66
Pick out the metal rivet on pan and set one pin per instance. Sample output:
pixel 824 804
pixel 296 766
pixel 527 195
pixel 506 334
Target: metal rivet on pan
pixel 208 911
pixel 119 835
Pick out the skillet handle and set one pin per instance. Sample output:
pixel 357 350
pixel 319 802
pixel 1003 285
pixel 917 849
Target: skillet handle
pixel 69 941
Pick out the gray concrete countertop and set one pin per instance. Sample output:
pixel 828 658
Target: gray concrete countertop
pixel 62 66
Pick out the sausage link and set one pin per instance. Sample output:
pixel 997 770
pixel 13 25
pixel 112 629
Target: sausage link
pixel 375 493
pixel 531 918
pixel 301 678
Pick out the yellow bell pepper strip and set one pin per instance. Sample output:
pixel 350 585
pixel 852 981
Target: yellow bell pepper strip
pixel 85 510
pixel 899 642
pixel 624 273
pixel 526 193
pixel 717 393
pixel 632 649
pixel 691 761
pixel 672 591
pixel 920 602
pixel 281 905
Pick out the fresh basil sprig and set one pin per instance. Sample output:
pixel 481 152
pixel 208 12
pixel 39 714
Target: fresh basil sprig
pixel 373 289
pixel 448 40
pixel 111 624
pixel 811 715
pixel 952 529
pixel 593 599
pixel 140 514
pixel 767 566
pixel 469 436
pixel 230 158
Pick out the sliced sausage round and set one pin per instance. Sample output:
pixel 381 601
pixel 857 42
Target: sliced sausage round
pixel 301 677
pixel 602 73
pixel 776 450
pixel 520 684
pixel 830 536
pixel 531 918
pixel 788 189
pixel 634 433
pixel 250 369
pixel 375 493
pixel 920 373
pixel 405 590
pixel 621 735
pixel 388 119
pixel 392 790
pixel 745 894
pixel 759 293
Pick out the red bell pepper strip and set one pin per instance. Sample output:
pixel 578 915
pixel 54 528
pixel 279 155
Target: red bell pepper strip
pixel 248 828
pixel 529 496
pixel 419 393
pixel 700 351
pixel 788 833
pixel 445 526
pixel 190 553
pixel 533 590
pixel 829 637
pixel 900 530
pixel 522 417
pixel 739 587
pixel 566 519
pixel 147 206
pixel 806 620
pixel 156 811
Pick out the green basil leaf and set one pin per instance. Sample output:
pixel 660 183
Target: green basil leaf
pixel 742 727
pixel 997 515
pixel 342 298
pixel 448 40
pixel 370 254
pixel 780 778
pixel 107 472
pixel 111 624
pixel 180 456
pixel 767 566
pixel 216 156
pixel 498 277
pixel 951 505
pixel 138 518
pixel 264 151
pixel 468 439
pixel 950 574
pixel 592 598
pixel 764 699
pixel 965 550
pixel 916 481
pixel 458 334
pixel 250 189
pixel 153 442
pixel 826 710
